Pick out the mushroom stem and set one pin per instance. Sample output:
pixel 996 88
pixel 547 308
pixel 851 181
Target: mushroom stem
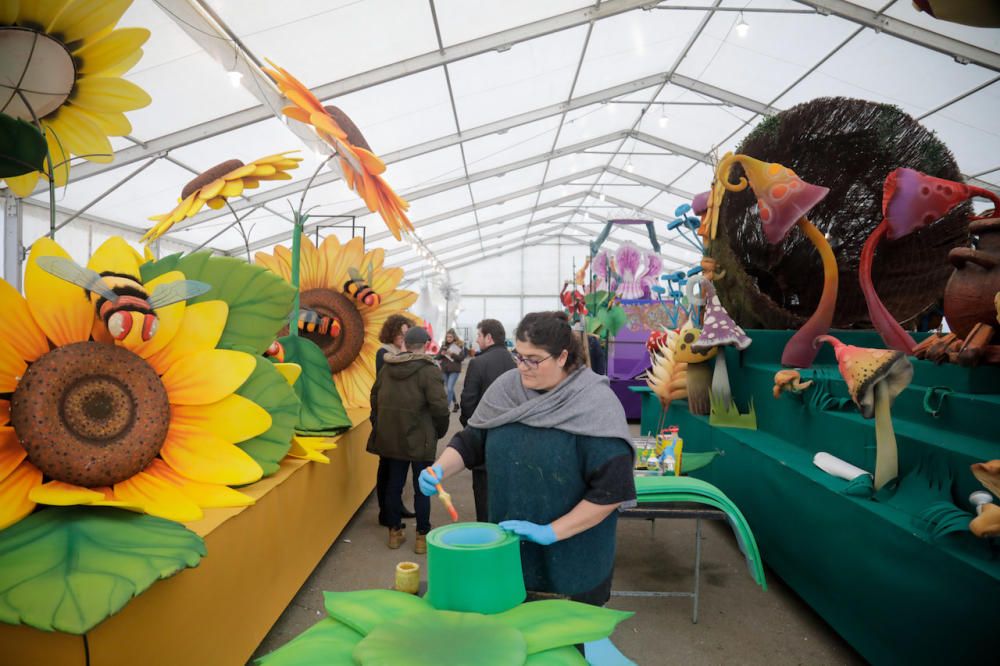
pixel 720 378
pixel 799 351
pixel 892 333
pixel 886 455
pixel 698 382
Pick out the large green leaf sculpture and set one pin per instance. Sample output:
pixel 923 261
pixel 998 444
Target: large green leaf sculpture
pixel 67 569
pixel 22 147
pixel 373 627
pixel 259 301
pixel 268 388
pixel 321 411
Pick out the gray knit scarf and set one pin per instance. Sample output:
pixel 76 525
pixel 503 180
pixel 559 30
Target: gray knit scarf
pixel 582 404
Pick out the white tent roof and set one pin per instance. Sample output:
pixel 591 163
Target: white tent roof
pixel 501 121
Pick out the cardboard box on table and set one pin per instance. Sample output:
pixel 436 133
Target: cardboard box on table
pixel 258 557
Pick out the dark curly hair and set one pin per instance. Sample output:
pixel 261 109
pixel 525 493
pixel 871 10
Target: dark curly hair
pixel 551 331
pixel 393 327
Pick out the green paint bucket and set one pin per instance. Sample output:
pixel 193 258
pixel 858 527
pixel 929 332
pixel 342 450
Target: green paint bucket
pixel 474 567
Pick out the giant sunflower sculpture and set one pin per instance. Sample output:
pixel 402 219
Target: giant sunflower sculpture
pixel 361 168
pixel 61 63
pixel 324 275
pixel 222 182
pixel 148 425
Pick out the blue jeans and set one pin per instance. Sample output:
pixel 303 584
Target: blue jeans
pixel 449 383
pixel 398 470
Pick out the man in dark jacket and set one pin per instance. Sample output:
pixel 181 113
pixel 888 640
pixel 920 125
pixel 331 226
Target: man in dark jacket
pixel 409 415
pixel 492 361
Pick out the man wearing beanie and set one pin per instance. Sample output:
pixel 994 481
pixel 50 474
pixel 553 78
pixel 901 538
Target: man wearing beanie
pixel 409 415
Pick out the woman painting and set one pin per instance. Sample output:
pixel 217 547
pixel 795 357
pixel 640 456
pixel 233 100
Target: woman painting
pixel 557 451
pixel 451 356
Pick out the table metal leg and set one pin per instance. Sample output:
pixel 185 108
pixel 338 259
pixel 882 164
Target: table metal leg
pixel 697 567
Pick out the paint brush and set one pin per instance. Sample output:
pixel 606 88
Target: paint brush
pixel 445 497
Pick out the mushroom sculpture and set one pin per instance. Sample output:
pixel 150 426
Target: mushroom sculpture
pixel 783 200
pixel 718 330
pixel 910 201
pixel 874 378
pixel 697 372
pixel 987 523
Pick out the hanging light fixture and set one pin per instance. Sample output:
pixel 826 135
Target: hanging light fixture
pixel 235 78
pixel 742 27
pixel 663 120
pixel 628 165
pixel 601 196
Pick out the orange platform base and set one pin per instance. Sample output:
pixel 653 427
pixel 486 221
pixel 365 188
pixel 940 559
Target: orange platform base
pixel 258 558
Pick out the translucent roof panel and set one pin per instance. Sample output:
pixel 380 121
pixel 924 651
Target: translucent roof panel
pixel 531 74
pixel 905 11
pixel 970 129
pixel 869 68
pixel 776 50
pixel 691 120
pixel 440 166
pixel 321 41
pixel 514 144
pixel 403 112
pixel 596 120
pixel 697 179
pixel 248 143
pixel 462 20
pixel 634 45
pixel 509 182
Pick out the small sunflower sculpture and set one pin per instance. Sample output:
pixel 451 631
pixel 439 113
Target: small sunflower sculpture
pixel 220 183
pixel 344 327
pixel 361 168
pixel 61 64
pixel 147 423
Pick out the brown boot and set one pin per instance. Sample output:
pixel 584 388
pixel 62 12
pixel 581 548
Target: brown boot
pixel 396 538
pixel 420 545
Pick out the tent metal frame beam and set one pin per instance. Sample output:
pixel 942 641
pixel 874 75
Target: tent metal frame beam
pixel 962 52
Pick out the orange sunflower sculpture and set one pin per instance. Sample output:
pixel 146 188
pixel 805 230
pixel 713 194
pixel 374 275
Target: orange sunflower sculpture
pixel 326 292
pixel 361 168
pixel 222 182
pixel 61 63
pixel 147 425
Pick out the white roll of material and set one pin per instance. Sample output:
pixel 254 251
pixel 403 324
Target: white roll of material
pixel 836 467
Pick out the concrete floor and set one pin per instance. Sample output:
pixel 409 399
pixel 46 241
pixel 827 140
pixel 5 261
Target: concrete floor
pixel 738 622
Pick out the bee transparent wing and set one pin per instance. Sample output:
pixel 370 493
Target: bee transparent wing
pixel 72 272
pixel 354 273
pixel 174 292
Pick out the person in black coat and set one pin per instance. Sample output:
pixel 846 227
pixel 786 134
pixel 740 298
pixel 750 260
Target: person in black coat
pixel 492 361
pixel 391 336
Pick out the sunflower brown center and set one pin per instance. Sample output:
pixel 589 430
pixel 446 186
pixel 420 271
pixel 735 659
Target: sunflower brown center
pixel 36 73
pixel 341 350
pixel 90 414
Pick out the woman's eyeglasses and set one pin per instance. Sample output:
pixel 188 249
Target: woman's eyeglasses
pixel 529 363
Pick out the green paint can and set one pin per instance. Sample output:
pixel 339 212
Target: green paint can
pixel 474 567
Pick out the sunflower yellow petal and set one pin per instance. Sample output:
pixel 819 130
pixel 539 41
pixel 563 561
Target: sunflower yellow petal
pixel 200 330
pixel 81 136
pixel 14 490
pixel 318 443
pixel 232 188
pixel 373 260
pixel 241 172
pixel 305 453
pixel 206 377
pixel 233 419
pixel 40 12
pixel 112 123
pixel 99 93
pixel 290 371
pixel 115 255
pixel 8 12
pixel 205 495
pixel 157 498
pixel 4 412
pixel 11 452
pixel 341 257
pixel 217 203
pixel 17 326
pixel 58 493
pixel 82 18
pixel 169 316
pixel 12 367
pixel 201 456
pixel 123 65
pixel 385 281
pixel 310 276
pixel 284 255
pixel 23 185
pixel 97 56
pixel 272 264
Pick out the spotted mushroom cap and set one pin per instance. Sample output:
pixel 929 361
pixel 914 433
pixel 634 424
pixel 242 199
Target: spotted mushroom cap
pixel 862 368
pixel 718 329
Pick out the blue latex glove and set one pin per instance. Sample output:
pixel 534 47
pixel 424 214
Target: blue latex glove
pixel 428 484
pixel 540 534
